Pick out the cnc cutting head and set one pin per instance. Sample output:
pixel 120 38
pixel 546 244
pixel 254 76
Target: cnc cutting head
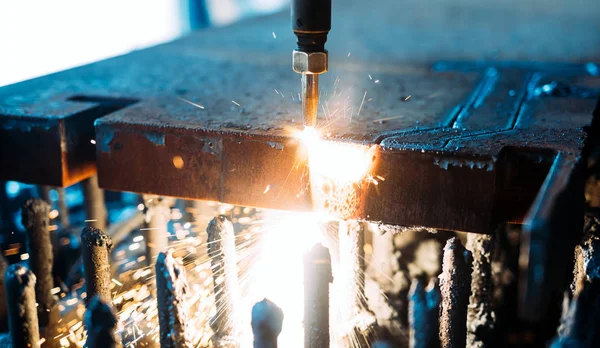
pixel 311 22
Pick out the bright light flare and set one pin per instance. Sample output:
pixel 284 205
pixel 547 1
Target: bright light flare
pixel 337 161
pixel 337 171
pixel 278 271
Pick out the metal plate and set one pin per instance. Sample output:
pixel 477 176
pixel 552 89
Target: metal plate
pixel 232 153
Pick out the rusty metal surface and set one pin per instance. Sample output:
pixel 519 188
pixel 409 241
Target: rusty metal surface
pixel 468 150
pixel 232 154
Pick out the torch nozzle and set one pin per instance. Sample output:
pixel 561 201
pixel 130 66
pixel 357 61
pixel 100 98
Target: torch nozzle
pixel 310 98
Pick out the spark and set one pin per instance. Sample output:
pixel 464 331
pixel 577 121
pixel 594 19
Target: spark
pixel 376 81
pixel 361 103
pixel 348 54
pixel 93 141
pixel 191 103
pixel 274 36
pixel 149 228
pixel 339 161
pixel 370 78
pixel 236 103
pixel 387 118
pixel 90 220
pixel 24 256
pixel 267 189
pixel 407 98
pixel 53 214
pixel 116 282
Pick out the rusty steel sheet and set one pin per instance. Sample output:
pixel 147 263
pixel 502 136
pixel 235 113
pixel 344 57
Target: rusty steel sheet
pixel 232 153
pixel 466 151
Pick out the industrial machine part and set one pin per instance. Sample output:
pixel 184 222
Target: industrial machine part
pixel 96 247
pixel 267 321
pixel 447 305
pixel 171 288
pixel 455 286
pixel 50 143
pixel 101 322
pixel 22 313
pixel 317 277
pixel 35 220
pixel 311 22
pixel 221 250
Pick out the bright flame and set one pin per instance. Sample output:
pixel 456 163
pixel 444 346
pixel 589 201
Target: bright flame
pixel 341 162
pixel 337 171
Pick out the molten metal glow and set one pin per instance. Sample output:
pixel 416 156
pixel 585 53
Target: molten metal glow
pixel 337 161
pixel 337 172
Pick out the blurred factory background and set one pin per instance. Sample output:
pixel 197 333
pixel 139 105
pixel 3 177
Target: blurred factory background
pixel 40 37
